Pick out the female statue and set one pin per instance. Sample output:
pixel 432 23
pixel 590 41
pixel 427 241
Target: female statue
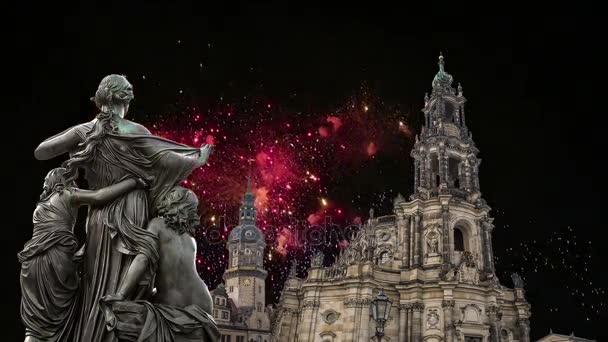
pixel 49 279
pixel 110 148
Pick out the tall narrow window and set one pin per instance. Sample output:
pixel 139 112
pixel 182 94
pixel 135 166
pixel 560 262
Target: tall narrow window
pixel 458 240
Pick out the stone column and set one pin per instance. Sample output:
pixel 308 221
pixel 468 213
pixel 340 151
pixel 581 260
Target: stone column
pixel 417 239
pixel 524 329
pixel 428 174
pixel 448 324
pixel 411 242
pixel 403 308
pixel 443 167
pixel 445 213
pixel 462 119
pixel 405 262
pixel 495 316
pixel 467 175
pixel 309 310
pixel 418 308
pixel 475 174
pixel 365 333
pixel 416 173
pixel 410 315
pixel 423 176
pixel 487 228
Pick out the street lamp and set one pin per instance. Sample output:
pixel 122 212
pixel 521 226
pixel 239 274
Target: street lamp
pixel 381 307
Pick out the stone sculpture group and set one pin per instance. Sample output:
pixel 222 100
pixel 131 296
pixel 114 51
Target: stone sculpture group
pixel 134 278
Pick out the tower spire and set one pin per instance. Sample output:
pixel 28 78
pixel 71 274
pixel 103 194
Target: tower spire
pixel 249 182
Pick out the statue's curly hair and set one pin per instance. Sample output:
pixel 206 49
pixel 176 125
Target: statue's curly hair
pixel 113 91
pixel 179 208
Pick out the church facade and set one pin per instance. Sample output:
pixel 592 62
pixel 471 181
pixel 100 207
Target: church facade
pixel 239 305
pixel 432 257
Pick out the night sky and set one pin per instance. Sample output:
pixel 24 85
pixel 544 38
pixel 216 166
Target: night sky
pixel 323 105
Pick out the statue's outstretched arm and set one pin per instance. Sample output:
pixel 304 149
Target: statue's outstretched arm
pixel 58 144
pixel 105 195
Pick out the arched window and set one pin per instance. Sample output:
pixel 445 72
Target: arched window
pixel 458 240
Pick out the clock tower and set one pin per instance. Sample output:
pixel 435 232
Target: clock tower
pixel 245 276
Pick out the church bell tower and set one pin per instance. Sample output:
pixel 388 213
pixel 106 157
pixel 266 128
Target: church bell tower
pixel 446 186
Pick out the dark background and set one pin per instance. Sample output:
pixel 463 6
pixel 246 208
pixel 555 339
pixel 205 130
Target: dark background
pixel 532 78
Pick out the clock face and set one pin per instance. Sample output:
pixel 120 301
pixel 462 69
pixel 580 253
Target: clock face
pixel 247 282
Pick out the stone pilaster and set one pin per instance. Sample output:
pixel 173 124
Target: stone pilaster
pixel 405 262
pixel 429 180
pixel 475 174
pixel 403 322
pixel 412 234
pixel 310 307
pixel 443 169
pixel 495 317
pixel 360 308
pixel 416 174
pixel 448 323
pixel 445 214
pixel 417 328
pixel 467 175
pixel 488 254
pixel 417 239
pixel 524 329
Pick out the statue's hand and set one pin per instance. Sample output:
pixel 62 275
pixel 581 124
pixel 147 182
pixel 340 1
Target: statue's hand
pixel 206 151
pixel 141 184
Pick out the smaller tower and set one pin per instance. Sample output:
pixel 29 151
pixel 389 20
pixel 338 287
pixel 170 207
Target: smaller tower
pixel 245 276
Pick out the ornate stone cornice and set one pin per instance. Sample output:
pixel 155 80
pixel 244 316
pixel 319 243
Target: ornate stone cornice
pixel 492 309
pixel 405 306
pixel 448 303
pixel 418 306
pixel 310 303
pixel 357 302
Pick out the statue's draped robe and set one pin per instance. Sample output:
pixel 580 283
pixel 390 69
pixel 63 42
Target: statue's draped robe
pixel 143 321
pixel 49 280
pixel 116 231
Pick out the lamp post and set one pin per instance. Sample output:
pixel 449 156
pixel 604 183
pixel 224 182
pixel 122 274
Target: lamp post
pixel 381 307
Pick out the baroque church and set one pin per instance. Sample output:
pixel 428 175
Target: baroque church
pixel 432 257
pixel 239 306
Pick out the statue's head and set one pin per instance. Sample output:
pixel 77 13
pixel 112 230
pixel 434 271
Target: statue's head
pixel 53 181
pixel 114 94
pixel 179 208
